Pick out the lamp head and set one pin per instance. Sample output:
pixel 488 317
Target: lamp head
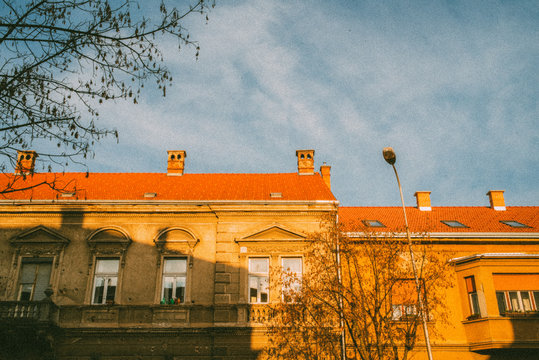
pixel 389 155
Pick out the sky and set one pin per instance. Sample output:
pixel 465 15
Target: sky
pixel 452 86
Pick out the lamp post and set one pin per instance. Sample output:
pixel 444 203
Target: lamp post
pixel 390 158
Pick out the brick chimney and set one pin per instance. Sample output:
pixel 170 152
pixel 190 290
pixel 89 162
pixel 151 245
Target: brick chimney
pixel 176 162
pixel 26 161
pixel 325 171
pixel 305 162
pixel 423 200
pixel 496 200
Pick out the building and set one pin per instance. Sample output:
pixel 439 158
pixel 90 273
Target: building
pixel 494 251
pixel 176 265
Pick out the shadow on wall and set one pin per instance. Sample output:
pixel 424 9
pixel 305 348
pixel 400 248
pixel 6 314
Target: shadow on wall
pixel 121 298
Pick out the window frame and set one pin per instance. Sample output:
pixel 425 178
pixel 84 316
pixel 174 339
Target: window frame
pixel 473 296
pixel 455 224
pixel 373 223
pixel 514 224
pixel 31 260
pixel 533 296
pixel 175 275
pixel 258 276
pixel 106 276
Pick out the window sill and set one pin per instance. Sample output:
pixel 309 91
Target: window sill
pixel 521 314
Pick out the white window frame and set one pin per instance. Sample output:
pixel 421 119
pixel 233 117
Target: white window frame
pixel 294 286
pixel 473 298
pixel 107 276
pixel 176 276
pixel 259 276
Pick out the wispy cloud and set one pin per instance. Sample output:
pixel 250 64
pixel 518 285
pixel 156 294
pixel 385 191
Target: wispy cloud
pixel 452 87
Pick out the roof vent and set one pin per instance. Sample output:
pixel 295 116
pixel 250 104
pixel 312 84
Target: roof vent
pixel 423 200
pixel 176 162
pixel 496 200
pixel 305 162
pixel 25 162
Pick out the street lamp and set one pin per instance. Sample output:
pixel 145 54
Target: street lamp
pixel 390 158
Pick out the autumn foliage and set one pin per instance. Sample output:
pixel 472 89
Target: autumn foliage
pixel 357 293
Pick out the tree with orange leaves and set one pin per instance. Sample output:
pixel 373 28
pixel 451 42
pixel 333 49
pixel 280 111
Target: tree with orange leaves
pixel 357 298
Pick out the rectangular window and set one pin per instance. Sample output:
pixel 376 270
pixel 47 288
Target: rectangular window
pixel 105 281
pixel 292 270
pixel 517 292
pixel 517 301
pixel 404 299
pixel 472 295
pixel 502 303
pixel 258 280
pixel 174 279
pixel 34 279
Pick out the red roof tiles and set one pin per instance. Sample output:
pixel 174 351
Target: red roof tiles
pixel 476 219
pixel 133 186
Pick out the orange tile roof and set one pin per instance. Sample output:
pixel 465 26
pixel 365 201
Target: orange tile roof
pixel 477 219
pixel 133 186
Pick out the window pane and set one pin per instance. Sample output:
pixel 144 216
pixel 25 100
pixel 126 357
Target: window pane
pixel 536 298
pixel 253 289
pixel 28 273
pixel 111 288
pixel 526 301
pixel 292 265
pixel 264 289
pixel 168 286
pixel 180 289
pixel 107 266
pixel 26 292
pixel 397 312
pixel 513 297
pixel 42 281
pixel 99 290
pixel 175 266
pixel 500 296
pixel 259 265
pixel 474 303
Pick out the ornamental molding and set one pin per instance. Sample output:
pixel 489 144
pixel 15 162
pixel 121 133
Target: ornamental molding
pixel 175 240
pixel 39 235
pixel 273 233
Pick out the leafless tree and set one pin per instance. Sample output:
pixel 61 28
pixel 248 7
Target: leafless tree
pixel 59 59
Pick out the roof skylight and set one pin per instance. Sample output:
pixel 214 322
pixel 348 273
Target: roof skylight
pixel 514 223
pixel 454 223
pixel 372 223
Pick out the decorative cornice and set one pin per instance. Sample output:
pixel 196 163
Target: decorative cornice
pixel 496 256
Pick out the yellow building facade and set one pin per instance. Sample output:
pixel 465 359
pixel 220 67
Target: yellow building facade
pixel 177 265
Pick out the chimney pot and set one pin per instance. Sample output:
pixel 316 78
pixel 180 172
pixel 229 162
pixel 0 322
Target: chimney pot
pixel 423 200
pixel 496 199
pixel 325 171
pixel 26 160
pixel 176 162
pixel 305 162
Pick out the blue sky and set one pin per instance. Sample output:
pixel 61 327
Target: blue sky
pixel 452 86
